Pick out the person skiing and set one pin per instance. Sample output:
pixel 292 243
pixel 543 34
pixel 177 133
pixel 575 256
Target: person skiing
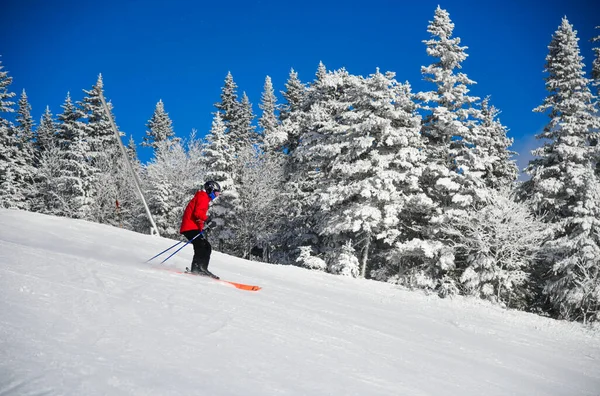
pixel 193 223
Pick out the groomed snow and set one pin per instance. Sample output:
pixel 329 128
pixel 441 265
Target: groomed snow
pixel 81 314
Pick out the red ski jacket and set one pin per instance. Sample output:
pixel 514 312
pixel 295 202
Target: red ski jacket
pixel 194 214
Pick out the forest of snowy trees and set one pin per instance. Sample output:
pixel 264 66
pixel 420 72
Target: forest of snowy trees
pixel 353 175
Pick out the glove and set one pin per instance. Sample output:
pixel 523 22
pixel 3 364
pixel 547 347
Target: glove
pixel 208 224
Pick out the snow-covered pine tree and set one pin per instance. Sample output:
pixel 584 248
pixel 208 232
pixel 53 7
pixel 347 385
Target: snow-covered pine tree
pixel 10 194
pixel 321 73
pixel 489 158
pixel 302 174
pixel 160 127
pixel 112 192
pixel 564 187
pixel 293 94
pixel 285 137
pixel 24 119
pixel 268 120
pixel 596 62
pixel 229 105
pixel 218 158
pixel 449 139
pixel 242 132
pixel 217 155
pixel 369 152
pixel 45 133
pixel 131 150
pixel 70 124
pixel 6 105
pixel 25 160
pixel 238 117
pixel 301 177
pixel 596 83
pixel 99 135
pixel 67 176
pixel 51 198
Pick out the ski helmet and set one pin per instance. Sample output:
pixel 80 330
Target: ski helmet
pixel 212 186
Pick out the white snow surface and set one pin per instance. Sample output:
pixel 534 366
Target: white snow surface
pixel 82 314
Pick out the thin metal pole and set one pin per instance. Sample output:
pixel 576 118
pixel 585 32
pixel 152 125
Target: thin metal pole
pixel 136 181
pixel 175 252
pixel 166 250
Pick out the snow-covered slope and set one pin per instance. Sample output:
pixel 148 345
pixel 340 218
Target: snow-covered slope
pixel 81 314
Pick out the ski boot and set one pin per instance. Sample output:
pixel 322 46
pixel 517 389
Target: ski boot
pixel 204 271
pixel 195 269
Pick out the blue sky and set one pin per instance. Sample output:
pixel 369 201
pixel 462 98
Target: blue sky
pixel 181 51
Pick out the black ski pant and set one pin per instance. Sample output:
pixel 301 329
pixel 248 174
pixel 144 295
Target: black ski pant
pixel 202 249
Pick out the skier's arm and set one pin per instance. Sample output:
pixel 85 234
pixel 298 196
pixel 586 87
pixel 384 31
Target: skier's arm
pixel 200 210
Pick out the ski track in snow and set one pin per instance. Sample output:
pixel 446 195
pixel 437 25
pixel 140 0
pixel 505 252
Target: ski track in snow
pixel 82 314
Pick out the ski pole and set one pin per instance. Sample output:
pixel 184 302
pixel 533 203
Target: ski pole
pixel 166 250
pixel 172 254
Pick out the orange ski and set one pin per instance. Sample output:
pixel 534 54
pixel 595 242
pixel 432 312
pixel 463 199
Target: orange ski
pixel 240 286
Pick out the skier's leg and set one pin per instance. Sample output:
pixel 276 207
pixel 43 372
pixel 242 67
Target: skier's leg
pixel 191 235
pixel 204 251
pixel 204 258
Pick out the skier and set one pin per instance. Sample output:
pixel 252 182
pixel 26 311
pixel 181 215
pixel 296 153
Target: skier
pixel 193 223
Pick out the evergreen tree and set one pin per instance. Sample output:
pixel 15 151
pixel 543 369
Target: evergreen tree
pixel 218 158
pixel 242 132
pixel 367 146
pixel 268 120
pixel 70 124
pixel 284 138
pixel 229 105
pixel 596 83
pixel 321 73
pixel 160 127
pixel 112 192
pixel 294 94
pixel 24 120
pixel 446 179
pixel 563 185
pixel 10 194
pixel 24 159
pixel 299 225
pixel 46 132
pixel 99 135
pixel 6 106
pixel 489 158
pixel 237 116
pixel 132 152
pixel 596 63
pixel 68 177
